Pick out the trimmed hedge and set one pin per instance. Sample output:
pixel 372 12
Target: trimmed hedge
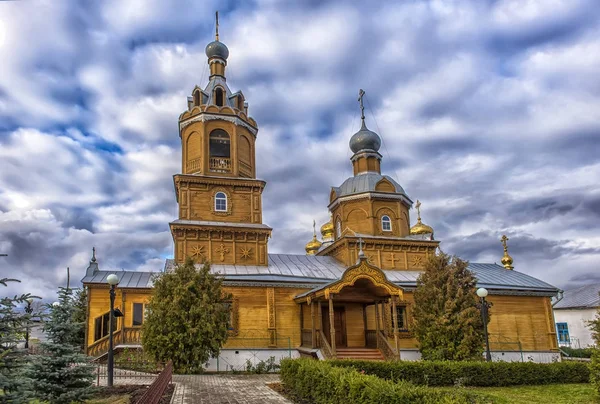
pixel 320 383
pixel 479 374
pixel 577 352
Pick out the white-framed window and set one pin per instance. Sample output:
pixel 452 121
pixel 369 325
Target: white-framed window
pixel 220 202
pixel 386 223
pixel 338 228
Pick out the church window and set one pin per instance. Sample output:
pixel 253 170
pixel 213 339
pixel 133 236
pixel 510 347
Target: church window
pixel 386 223
pixel 220 153
pixel 232 318
pixel 101 326
pixel 138 314
pixel 402 318
pixel 338 228
pixel 562 330
pixel 220 202
pixel 219 97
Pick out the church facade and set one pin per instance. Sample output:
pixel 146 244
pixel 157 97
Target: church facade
pixel 349 296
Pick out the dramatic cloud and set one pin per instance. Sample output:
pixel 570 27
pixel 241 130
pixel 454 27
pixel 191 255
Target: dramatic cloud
pixel 488 111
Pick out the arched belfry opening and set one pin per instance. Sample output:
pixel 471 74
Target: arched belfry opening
pixel 219 97
pixel 220 151
pixel 197 98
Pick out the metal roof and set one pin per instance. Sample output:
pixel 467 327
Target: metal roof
pixel 290 268
pixel 365 182
pixel 583 297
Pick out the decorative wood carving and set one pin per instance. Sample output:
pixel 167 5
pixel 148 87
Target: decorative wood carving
pixel 271 317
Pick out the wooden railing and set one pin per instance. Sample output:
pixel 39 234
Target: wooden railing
pixel 325 347
pixel 307 338
pixel 386 349
pixel 220 164
pixel 371 339
pixel 158 387
pixel 194 165
pixel 129 336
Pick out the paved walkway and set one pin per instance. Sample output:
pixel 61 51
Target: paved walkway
pixel 226 389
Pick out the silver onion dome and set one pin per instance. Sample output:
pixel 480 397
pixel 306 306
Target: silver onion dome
pixel 365 139
pixel 217 49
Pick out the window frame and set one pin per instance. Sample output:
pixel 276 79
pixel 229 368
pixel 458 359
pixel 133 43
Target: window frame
pixel 220 199
pixel 562 334
pixel 384 222
pixel 103 322
pixel 133 305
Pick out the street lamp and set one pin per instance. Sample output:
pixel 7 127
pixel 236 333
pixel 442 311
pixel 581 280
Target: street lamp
pixel 28 310
pixel 484 305
pixel 112 280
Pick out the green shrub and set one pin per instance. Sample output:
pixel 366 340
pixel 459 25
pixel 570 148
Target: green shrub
pixel 320 383
pixel 595 369
pixel 577 352
pixel 481 374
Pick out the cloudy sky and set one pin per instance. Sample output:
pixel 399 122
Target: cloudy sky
pixel 489 112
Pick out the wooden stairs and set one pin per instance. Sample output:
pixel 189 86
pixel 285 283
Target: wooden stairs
pixel 368 354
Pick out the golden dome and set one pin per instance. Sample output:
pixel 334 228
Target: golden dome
pixel 506 259
pixel 327 231
pixel 313 245
pixel 420 227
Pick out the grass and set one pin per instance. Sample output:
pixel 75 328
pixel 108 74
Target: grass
pixel 544 394
pixel 120 399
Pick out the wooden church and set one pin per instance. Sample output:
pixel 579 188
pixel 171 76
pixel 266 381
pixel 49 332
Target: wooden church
pixel 351 295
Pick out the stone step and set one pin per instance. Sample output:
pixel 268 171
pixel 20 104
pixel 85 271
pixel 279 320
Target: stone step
pixel 359 353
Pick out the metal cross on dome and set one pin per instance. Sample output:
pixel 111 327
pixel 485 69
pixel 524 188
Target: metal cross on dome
pixel 361 94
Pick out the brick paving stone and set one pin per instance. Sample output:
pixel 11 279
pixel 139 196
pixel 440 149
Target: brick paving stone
pixel 226 389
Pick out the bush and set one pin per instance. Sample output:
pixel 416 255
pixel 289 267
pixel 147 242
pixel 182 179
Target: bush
pixel 577 352
pixel 319 382
pixel 480 374
pixel 595 369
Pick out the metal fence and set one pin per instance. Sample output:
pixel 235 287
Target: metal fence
pixel 129 372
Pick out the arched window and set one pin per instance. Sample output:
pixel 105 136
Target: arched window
pixel 338 228
pixel 219 148
pixel 219 97
pixel 196 98
pixel 386 223
pixel 220 202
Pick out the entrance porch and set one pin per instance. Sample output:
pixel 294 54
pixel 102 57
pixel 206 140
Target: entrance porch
pixel 348 318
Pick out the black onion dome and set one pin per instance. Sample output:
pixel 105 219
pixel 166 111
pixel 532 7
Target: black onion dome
pixel 217 49
pixel 365 139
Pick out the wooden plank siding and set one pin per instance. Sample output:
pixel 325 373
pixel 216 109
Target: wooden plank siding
pixel 524 320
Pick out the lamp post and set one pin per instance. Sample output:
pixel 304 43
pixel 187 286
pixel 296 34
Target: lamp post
pixel 482 293
pixel 28 310
pixel 112 280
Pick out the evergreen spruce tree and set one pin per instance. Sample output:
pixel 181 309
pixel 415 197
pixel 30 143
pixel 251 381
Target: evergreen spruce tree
pixel 79 315
pixel 448 323
pixel 61 372
pixel 14 384
pixel 187 318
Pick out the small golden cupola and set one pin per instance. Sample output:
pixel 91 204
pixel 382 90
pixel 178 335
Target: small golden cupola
pixel 312 247
pixel 327 231
pixel 506 259
pixel 420 228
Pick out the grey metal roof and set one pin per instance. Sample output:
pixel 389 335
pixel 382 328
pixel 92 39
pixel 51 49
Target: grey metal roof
pixel 127 279
pixel 210 87
pixel 582 297
pixel 365 182
pixel 315 269
pixel 221 224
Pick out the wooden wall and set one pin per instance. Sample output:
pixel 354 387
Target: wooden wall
pixel 263 314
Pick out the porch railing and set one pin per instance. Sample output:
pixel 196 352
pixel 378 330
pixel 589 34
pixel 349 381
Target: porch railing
pixel 325 347
pixel 371 338
pixel 307 338
pixel 386 349
pixel 126 336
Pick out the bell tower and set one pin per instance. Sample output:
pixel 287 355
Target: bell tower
pixel 219 197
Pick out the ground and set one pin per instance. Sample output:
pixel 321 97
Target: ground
pixel 544 394
pixel 226 389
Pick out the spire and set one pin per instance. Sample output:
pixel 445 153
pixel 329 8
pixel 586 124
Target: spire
pixel 217 25
pixel 420 227
pixel 312 247
pixel 93 254
pixel 506 259
pixel 93 267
